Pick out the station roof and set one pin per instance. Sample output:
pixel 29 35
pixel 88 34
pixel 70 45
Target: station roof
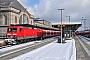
pixel 68 23
pixel 75 25
pixel 12 3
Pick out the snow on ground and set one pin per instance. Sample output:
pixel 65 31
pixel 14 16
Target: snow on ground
pixel 52 51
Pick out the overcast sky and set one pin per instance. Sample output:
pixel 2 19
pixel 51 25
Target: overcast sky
pixel 48 10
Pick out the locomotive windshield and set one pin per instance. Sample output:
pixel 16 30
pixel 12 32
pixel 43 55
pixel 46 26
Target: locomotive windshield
pixel 12 29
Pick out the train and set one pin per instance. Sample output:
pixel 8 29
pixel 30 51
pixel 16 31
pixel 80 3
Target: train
pixel 85 33
pixel 20 33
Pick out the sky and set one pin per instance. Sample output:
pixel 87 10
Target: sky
pixel 48 10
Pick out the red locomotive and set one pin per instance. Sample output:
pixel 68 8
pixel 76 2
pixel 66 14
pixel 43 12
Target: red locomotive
pixel 22 33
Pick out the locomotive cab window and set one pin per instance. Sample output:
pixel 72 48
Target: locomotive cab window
pixel 9 29
pixel 12 29
pixel 20 29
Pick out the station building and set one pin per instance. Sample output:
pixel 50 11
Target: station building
pixel 12 12
pixel 43 23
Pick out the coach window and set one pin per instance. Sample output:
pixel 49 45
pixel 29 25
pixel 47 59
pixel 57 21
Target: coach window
pixel 51 33
pixel 20 29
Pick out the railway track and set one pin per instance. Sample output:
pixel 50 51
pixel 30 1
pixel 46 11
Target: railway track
pixel 82 48
pixel 5 46
pixel 16 52
pixel 1 47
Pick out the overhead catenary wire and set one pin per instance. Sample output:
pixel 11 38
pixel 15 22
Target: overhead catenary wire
pixel 53 5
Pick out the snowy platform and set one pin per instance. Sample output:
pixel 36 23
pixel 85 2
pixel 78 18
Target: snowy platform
pixel 52 51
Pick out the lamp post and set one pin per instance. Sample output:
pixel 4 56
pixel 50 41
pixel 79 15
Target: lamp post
pixel 69 18
pixel 84 23
pixel 61 23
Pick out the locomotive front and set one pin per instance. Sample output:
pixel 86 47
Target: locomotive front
pixel 11 35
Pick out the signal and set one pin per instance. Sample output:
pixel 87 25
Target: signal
pixel 58 25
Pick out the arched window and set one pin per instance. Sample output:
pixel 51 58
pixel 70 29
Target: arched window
pixel 5 20
pixel 1 19
pixel 15 19
pixel 23 19
pixel 31 22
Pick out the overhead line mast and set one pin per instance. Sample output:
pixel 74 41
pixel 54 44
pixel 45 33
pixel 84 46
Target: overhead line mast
pixel 61 24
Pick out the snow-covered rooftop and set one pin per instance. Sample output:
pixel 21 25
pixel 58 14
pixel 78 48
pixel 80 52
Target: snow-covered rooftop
pixel 67 23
